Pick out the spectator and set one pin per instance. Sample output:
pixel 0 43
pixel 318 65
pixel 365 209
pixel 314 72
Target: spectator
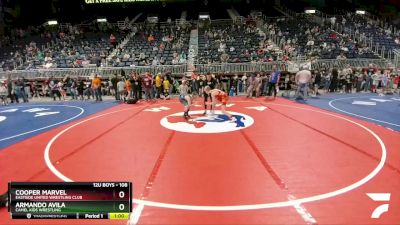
pixel 303 78
pixel 120 89
pixel 114 83
pixel 113 40
pixel 150 39
pixel 3 93
pixel 274 81
pixel 96 86
pixel 147 86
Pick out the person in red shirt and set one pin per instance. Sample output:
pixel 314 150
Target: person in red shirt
pixel 147 85
pixel 113 40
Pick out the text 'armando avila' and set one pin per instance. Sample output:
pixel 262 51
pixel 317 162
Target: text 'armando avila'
pixel 39 206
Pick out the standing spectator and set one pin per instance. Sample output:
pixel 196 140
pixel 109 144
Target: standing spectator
pixel 54 89
pixel 3 93
pixel 195 84
pixel 376 78
pixel 73 91
pixel 133 86
pixel 334 82
pixel 264 84
pixel 258 84
pixel 34 88
pixel 128 89
pixel 224 83
pixel 27 89
pixel 171 82
pixel 243 86
pixel 88 91
pixel 11 95
pixel 21 89
pixel 327 81
pixel 137 86
pixel 96 86
pixel 369 81
pixel 201 83
pixel 234 84
pixel 303 78
pixel 114 82
pixel 15 91
pixel 147 82
pixel 120 89
pixel 349 83
pixel 251 85
pixel 275 77
pixel 166 87
pixel 60 86
pixel 158 85
pixel 385 81
pixel 80 88
pixel 317 81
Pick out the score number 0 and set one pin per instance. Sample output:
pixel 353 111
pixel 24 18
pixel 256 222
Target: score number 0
pixel 121 206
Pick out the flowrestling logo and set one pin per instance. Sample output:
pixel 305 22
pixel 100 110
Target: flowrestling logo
pixel 217 123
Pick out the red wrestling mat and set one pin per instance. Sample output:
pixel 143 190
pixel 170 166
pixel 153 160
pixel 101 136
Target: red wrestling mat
pixel 279 163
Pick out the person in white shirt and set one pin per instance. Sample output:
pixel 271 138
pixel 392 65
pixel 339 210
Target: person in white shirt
pixel 121 89
pixel 244 83
pixel 376 78
pixel 155 61
pixel 302 79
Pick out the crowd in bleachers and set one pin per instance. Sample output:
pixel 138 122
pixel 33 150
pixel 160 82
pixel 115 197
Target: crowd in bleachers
pixel 69 47
pixel 381 33
pixel 168 44
pixel 300 36
pixel 151 46
pixel 234 44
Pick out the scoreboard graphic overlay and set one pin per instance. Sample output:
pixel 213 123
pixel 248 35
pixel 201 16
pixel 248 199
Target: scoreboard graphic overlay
pixel 75 200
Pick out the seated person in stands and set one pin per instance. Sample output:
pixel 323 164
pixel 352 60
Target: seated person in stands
pixel 224 57
pixel 155 61
pixel 47 58
pixel 182 58
pixel 341 56
pixel 155 48
pixel 150 39
pixel 175 60
pixel 142 56
pixel 126 55
pixel 113 40
pixel 162 46
pixel 162 60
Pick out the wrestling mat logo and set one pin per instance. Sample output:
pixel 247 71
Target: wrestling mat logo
pixel 217 123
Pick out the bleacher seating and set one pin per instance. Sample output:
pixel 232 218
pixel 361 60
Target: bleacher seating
pixel 241 37
pixel 139 44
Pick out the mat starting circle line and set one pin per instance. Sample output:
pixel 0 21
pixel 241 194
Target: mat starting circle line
pixel 294 202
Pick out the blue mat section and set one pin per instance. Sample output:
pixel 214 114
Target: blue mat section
pixel 21 121
pixel 381 110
